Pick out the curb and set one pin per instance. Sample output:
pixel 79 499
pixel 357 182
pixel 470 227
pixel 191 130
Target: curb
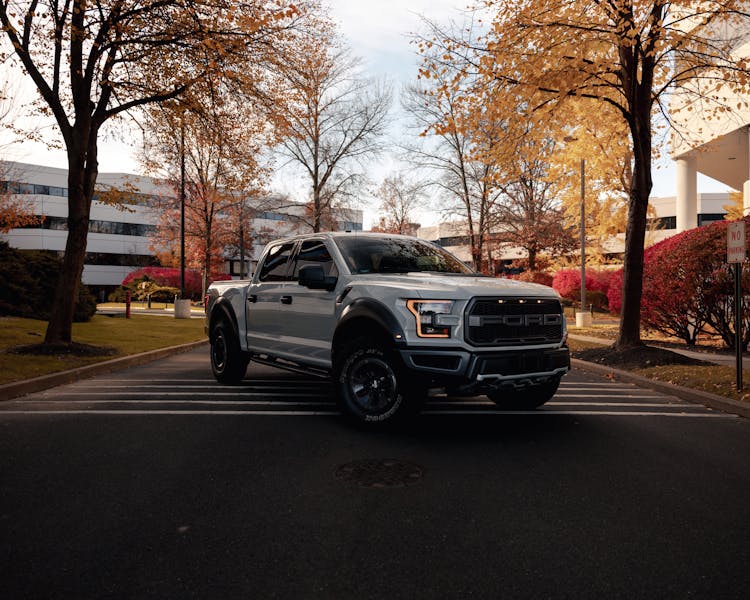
pixel 37 384
pixel 713 401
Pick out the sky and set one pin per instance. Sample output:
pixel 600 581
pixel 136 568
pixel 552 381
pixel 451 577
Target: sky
pixel 379 33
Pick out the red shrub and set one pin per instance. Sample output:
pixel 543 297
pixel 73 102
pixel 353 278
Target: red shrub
pixel 597 280
pixel 614 292
pixel 534 277
pixel 687 285
pixel 169 276
pixel 568 282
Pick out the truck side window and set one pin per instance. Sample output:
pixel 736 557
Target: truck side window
pixel 274 267
pixel 314 252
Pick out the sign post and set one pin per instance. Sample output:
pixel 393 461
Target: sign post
pixel 736 256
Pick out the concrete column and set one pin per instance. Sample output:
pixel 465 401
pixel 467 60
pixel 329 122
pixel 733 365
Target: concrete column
pixel 687 194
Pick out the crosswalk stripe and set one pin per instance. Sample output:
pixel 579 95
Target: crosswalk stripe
pixel 537 413
pixel 315 397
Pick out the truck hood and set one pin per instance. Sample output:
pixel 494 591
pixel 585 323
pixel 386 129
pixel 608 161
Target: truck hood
pixel 437 285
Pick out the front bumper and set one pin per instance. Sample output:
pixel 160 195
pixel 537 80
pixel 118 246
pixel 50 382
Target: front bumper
pixel 475 371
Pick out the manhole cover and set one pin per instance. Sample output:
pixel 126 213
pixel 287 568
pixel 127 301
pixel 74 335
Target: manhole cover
pixel 380 473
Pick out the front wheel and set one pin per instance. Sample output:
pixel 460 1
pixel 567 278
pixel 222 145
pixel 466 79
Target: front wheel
pixel 372 385
pixel 228 361
pixel 525 399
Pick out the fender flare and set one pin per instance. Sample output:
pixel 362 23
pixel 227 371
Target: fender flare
pixel 223 308
pixel 374 311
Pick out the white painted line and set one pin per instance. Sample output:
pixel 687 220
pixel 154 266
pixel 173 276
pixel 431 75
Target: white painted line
pixel 186 395
pixel 277 413
pixel 582 413
pixel 611 404
pixel 331 413
pixel 600 384
pixel 629 396
pixel 186 402
pixel 328 402
pixel 192 387
pixel 641 404
pixel 97 381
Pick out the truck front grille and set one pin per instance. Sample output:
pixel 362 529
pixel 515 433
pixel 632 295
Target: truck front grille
pixel 514 321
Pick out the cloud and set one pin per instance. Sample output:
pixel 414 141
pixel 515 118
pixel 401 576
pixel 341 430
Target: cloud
pixel 381 33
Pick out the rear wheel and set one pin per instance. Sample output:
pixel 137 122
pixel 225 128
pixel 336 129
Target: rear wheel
pixel 526 399
pixel 228 361
pixel 372 385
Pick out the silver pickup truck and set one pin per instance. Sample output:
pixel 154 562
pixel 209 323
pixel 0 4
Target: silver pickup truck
pixel 388 317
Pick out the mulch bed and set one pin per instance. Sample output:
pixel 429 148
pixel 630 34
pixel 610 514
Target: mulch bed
pixel 636 358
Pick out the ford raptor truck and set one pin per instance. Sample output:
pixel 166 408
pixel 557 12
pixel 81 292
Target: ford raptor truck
pixel 388 317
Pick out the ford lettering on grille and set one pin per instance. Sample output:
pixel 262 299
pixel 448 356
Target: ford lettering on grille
pixel 514 321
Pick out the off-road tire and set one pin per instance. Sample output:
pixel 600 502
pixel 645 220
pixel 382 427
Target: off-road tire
pixel 228 361
pixel 372 385
pixel 525 399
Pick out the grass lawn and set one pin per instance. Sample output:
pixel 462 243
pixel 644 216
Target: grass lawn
pixel 138 334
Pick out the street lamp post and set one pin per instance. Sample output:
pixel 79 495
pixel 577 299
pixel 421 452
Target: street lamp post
pixel 583 316
pixel 583 234
pixel 182 207
pixel 182 306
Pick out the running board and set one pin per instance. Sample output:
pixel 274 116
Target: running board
pixel 280 363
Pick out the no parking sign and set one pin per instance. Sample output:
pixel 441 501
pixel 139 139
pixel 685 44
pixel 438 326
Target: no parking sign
pixel 736 242
pixel 736 255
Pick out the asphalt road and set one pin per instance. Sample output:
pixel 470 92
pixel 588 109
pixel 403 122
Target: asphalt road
pixel 157 483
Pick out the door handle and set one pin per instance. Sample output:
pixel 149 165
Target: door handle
pixel 252 298
pixel 286 299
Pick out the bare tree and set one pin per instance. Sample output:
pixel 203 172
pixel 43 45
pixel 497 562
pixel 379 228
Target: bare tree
pixel 466 168
pixel 399 199
pixel 333 120
pixel 529 214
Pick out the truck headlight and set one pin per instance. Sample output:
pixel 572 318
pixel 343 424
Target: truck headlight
pixel 434 318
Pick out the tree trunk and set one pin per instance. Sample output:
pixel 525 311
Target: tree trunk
pixel 632 286
pixel 316 209
pixel 532 259
pixel 83 169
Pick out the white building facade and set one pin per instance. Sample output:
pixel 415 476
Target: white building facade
pixel 711 143
pixel 120 238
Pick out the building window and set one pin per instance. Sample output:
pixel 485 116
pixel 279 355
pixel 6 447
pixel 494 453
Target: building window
pixel 109 227
pixel 120 260
pixel 707 218
pixel 664 222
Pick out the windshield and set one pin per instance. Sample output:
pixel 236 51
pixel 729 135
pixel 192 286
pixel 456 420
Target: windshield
pixel 397 255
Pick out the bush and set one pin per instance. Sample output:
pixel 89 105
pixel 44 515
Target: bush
pixel 614 292
pixel 687 286
pixel 598 280
pixel 27 285
pixel 170 277
pixel 86 305
pixel 533 277
pixel 568 283
pixel 594 298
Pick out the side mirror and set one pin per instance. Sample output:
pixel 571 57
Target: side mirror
pixel 313 277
